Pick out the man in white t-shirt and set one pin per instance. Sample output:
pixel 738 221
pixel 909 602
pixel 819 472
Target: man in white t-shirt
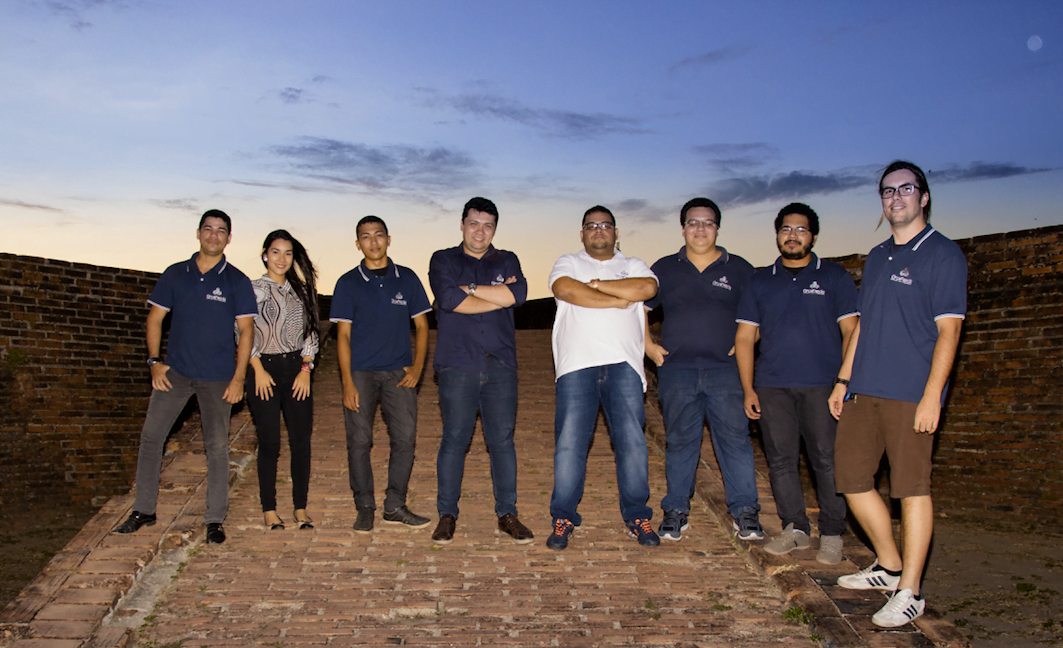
pixel 598 342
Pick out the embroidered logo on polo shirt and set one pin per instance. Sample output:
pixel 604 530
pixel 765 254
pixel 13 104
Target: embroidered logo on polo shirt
pixel 622 274
pixel 903 278
pixel 814 289
pixel 397 300
pixel 722 283
pixel 216 296
pixel 498 280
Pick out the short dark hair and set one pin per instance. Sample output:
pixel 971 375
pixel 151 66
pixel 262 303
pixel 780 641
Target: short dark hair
pixel 698 202
pixel 920 178
pixel 598 209
pixel 801 209
pixel 216 213
pixel 371 219
pixel 480 205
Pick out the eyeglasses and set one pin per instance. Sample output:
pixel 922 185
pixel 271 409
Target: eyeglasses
pixel 701 224
pixel 800 230
pixel 604 226
pixel 905 189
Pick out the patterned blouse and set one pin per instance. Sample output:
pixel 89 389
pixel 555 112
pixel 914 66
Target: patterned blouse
pixel 281 316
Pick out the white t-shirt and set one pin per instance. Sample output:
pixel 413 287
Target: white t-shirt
pixel 593 337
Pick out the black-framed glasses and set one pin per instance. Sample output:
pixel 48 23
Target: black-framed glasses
pixel 605 226
pixel 905 189
pixel 701 224
pixel 800 230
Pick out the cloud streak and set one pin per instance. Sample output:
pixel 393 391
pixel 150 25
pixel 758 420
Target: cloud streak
pixel 555 123
pixel 25 205
pixel 376 168
pixel 794 185
pixel 710 58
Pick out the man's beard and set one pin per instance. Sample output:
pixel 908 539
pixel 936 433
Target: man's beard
pixel 796 255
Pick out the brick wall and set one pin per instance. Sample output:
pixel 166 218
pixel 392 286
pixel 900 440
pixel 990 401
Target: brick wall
pixel 72 380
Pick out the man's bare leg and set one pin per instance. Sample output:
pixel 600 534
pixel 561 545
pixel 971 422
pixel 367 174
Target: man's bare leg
pixel 917 528
pixel 871 512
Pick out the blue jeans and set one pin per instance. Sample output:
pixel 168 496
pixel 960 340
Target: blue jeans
pixel 689 398
pixel 494 393
pixel 618 389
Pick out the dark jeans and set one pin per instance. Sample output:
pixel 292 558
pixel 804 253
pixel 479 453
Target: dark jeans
pixel 399 405
pixel 299 417
pixel 689 398
pixel 617 388
pixel 163 410
pixel 787 416
pixel 494 393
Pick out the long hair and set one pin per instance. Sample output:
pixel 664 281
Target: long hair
pixel 302 276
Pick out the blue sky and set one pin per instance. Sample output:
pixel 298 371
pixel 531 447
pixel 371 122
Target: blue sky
pixel 123 121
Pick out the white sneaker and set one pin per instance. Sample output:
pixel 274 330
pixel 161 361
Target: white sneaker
pixel 901 608
pixel 788 540
pixel 873 577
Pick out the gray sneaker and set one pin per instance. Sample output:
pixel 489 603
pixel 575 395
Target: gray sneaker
pixel 403 515
pixel 788 540
pixel 830 550
pixel 673 525
pixel 364 522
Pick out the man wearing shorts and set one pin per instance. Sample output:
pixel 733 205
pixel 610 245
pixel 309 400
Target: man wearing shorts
pixel 912 302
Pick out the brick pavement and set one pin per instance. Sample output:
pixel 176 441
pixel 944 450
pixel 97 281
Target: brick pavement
pixel 393 587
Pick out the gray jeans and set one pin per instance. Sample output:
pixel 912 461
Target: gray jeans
pixel 399 405
pixel 163 410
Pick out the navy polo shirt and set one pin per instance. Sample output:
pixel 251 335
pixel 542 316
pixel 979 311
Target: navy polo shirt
pixel 203 310
pixel 463 341
pixel 905 290
pixel 379 310
pixel 699 309
pixel 798 315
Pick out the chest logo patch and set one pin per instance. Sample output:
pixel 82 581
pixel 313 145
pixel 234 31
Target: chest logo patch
pixel 622 274
pixel 398 300
pixel 498 280
pixel 216 296
pixel 902 277
pixel 722 283
pixel 814 289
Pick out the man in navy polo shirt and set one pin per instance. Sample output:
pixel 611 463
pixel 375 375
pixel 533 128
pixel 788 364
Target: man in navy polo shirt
pixel 804 309
pixel 204 296
pixel 912 302
pixel 697 376
pixel 372 307
pixel 476 287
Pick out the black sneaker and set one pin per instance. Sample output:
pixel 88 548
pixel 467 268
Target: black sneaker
pixel 403 515
pixel 364 522
pixel 642 530
pixel 134 522
pixel 673 525
pixel 444 533
pixel 215 533
pixel 558 539
pixel 747 524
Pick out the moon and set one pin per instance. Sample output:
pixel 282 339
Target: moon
pixel 1034 43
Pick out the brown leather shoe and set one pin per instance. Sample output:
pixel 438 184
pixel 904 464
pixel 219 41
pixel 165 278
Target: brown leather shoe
pixel 444 533
pixel 521 534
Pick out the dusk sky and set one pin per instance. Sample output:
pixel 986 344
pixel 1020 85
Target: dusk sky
pixel 123 121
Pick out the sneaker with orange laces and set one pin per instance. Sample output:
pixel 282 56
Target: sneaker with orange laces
pixel 642 530
pixel 558 539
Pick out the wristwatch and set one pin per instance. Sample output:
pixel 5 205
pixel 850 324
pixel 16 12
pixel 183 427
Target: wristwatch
pixel 153 359
pixel 472 289
pixel 841 381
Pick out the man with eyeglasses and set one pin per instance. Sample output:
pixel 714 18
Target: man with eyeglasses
pixel 892 384
pixel 697 378
pixel 803 310
pixel 598 345
pixel 476 288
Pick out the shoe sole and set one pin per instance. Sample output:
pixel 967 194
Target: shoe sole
pixel 556 548
pixel 442 542
pixel 864 585
pixel 776 552
pixel 820 559
pixel 412 526
pixel 521 541
pixel 363 531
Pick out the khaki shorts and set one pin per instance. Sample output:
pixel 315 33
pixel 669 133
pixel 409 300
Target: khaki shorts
pixel 870 426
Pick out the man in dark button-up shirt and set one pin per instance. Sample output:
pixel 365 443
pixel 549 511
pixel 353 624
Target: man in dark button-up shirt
pixel 476 287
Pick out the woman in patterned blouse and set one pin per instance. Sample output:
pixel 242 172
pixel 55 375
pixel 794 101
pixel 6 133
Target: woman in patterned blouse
pixel 286 341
